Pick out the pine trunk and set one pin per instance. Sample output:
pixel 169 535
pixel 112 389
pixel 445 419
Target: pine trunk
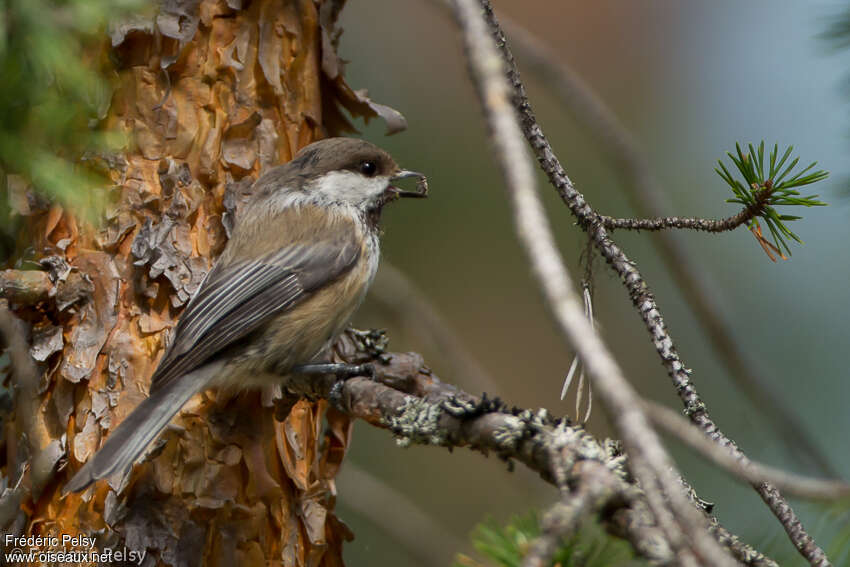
pixel 208 93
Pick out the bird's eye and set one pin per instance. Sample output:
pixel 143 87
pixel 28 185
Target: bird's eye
pixel 368 168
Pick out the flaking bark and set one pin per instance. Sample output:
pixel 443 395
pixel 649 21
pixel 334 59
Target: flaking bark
pixel 209 93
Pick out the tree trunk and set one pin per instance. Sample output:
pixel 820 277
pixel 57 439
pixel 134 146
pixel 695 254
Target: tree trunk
pixel 209 94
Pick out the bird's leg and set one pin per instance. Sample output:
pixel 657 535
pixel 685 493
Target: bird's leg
pixel 341 369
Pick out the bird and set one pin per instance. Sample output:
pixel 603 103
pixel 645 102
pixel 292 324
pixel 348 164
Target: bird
pixel 303 252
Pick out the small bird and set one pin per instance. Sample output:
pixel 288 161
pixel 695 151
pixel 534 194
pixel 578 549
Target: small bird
pixel 304 251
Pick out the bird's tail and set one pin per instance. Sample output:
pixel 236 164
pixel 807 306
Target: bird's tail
pixel 141 427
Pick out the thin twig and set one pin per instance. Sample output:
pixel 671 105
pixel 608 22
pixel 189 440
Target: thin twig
pixel 647 199
pixel 684 526
pixel 753 472
pixel 761 197
pixel 641 297
pixel 689 223
pixel 531 438
pixel 740 550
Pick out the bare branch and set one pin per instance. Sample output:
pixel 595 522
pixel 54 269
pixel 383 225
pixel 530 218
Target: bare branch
pixel 690 223
pixel 646 197
pixel 685 528
pixel 408 399
pixel 752 472
pixel 641 297
pixel 427 411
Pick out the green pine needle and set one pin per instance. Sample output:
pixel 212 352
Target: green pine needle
pixel 779 179
pixel 506 546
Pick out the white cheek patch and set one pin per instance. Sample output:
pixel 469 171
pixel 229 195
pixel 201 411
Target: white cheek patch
pixel 349 187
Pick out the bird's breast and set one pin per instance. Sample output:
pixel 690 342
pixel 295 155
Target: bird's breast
pixel 303 333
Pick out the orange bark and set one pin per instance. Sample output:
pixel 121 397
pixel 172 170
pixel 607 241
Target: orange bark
pixel 208 99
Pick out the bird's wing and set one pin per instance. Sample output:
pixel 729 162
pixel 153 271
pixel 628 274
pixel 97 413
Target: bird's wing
pixel 236 299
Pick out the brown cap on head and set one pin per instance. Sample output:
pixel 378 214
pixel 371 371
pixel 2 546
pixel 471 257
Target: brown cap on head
pixel 343 154
pixel 337 171
pixel 323 157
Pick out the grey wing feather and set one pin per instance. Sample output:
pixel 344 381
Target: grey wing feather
pixel 237 299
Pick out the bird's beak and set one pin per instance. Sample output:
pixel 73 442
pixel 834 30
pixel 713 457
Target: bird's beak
pixel 421 184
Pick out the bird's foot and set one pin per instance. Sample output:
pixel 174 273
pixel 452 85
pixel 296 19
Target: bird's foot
pixel 342 370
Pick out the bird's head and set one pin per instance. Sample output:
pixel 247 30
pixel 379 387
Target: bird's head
pixel 339 171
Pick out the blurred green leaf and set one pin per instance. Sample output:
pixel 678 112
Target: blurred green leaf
pixel 53 95
pixel 506 546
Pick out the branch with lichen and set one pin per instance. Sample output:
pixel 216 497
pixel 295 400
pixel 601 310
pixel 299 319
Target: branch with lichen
pixel 408 399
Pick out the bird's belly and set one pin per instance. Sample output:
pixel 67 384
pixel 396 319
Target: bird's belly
pixel 304 333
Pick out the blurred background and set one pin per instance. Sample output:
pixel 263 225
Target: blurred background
pixel 689 79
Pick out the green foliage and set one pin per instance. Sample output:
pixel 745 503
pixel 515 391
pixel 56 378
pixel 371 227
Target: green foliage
pixel 506 546
pixel 53 94
pixel 764 189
